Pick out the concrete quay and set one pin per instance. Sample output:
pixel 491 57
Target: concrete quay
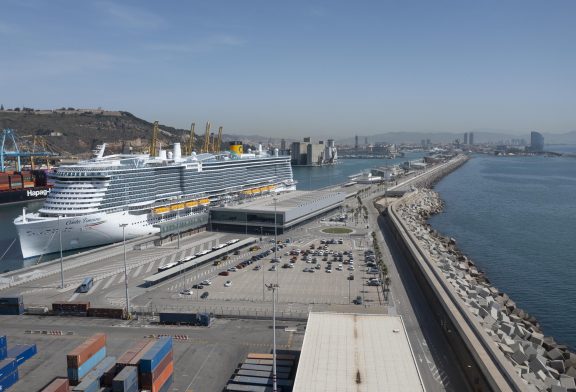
pixel 523 358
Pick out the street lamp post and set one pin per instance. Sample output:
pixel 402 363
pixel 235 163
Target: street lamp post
pixel 123 226
pixel 178 226
pixel 61 260
pixel 273 287
pixel 275 239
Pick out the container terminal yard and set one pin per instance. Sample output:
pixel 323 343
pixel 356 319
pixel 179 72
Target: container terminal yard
pixel 209 293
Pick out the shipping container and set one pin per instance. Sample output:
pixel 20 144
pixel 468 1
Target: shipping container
pixel 22 352
pixel 147 379
pixel 57 385
pixel 7 366
pixel 11 309
pixel 163 378
pixel 76 373
pixel 126 380
pixel 2 340
pixel 268 362
pixel 107 366
pixel 132 356
pixel 154 356
pixel 3 352
pixel 167 384
pixel 8 380
pixel 76 308
pixel 13 300
pixel 249 366
pixel 262 374
pixel 88 348
pixel 288 357
pixel 248 388
pixel 111 313
pixel 90 383
pixel 261 381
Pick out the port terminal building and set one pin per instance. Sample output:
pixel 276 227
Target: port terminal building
pixel 283 211
pixel 356 352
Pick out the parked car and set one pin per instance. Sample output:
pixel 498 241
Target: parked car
pixel 232 269
pixel 258 268
pixel 228 283
pixel 186 292
pixel 358 300
pixel 206 282
pixel 204 295
pixel 197 286
pixel 224 273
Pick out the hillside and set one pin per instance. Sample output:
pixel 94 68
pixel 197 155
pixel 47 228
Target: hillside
pixel 77 132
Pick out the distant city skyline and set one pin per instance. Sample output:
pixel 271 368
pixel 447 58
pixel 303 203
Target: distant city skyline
pixel 295 69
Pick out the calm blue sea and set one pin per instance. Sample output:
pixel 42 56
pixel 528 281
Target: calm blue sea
pixel 516 218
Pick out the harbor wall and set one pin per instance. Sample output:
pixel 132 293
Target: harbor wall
pixel 480 365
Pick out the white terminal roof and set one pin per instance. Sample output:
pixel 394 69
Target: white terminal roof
pixel 286 201
pixel 356 352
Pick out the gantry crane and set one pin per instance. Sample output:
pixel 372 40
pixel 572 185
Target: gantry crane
pixel 190 145
pixel 206 147
pixel 217 146
pixel 153 141
pixel 16 153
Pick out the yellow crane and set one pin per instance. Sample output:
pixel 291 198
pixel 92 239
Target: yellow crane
pixel 206 147
pixel 154 137
pixel 217 146
pixel 190 146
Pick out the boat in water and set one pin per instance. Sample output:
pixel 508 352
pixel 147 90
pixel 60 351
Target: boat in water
pixel 98 201
pixel 23 186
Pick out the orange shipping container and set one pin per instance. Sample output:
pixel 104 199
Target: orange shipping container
pixel 83 352
pixel 164 376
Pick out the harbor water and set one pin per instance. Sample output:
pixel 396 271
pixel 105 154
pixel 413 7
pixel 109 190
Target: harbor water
pixel 515 217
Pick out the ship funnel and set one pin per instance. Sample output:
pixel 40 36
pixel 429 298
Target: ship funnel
pixel 236 147
pixel 170 155
pixel 260 148
pixel 162 154
pixel 275 152
pixel 177 152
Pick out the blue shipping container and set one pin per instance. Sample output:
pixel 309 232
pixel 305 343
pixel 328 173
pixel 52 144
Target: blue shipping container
pixel 90 383
pixel 3 352
pixel 22 352
pixel 16 300
pixel 2 340
pixel 11 309
pixel 106 365
pixel 126 380
pixel 155 355
pixel 77 373
pixel 8 380
pixel 7 366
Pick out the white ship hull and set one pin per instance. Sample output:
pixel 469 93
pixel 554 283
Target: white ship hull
pixel 41 236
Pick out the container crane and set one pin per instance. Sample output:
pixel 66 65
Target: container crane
pixel 206 147
pixel 190 146
pixel 217 146
pixel 16 153
pixel 154 138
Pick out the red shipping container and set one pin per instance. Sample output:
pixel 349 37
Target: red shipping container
pixel 57 385
pixel 125 358
pixel 82 353
pixel 164 376
pixel 147 379
pixel 134 361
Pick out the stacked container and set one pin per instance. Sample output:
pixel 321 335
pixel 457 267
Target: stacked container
pixel 84 357
pixel 11 305
pixel 132 356
pixel 92 381
pixel 8 373
pixel 57 385
pixel 157 366
pixel 126 380
pixel 74 308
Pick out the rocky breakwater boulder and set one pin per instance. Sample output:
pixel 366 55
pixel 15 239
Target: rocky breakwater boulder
pixel 542 363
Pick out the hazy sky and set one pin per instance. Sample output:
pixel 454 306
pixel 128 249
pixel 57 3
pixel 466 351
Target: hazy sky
pixel 295 68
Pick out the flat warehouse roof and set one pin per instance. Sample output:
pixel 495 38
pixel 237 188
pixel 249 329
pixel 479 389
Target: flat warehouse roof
pixel 285 201
pixel 356 352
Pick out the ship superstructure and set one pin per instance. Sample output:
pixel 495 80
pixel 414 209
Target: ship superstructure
pixel 92 200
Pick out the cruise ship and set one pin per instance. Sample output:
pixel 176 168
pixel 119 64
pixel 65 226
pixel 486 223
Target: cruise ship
pixel 101 200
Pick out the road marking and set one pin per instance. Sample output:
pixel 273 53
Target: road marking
pixel 138 270
pixel 201 367
pixel 108 283
pixel 98 283
pixel 73 297
pixel 150 266
pixel 121 279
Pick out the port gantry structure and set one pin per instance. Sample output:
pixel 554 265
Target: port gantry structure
pixel 8 135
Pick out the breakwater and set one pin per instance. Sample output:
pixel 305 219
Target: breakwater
pixel 511 338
